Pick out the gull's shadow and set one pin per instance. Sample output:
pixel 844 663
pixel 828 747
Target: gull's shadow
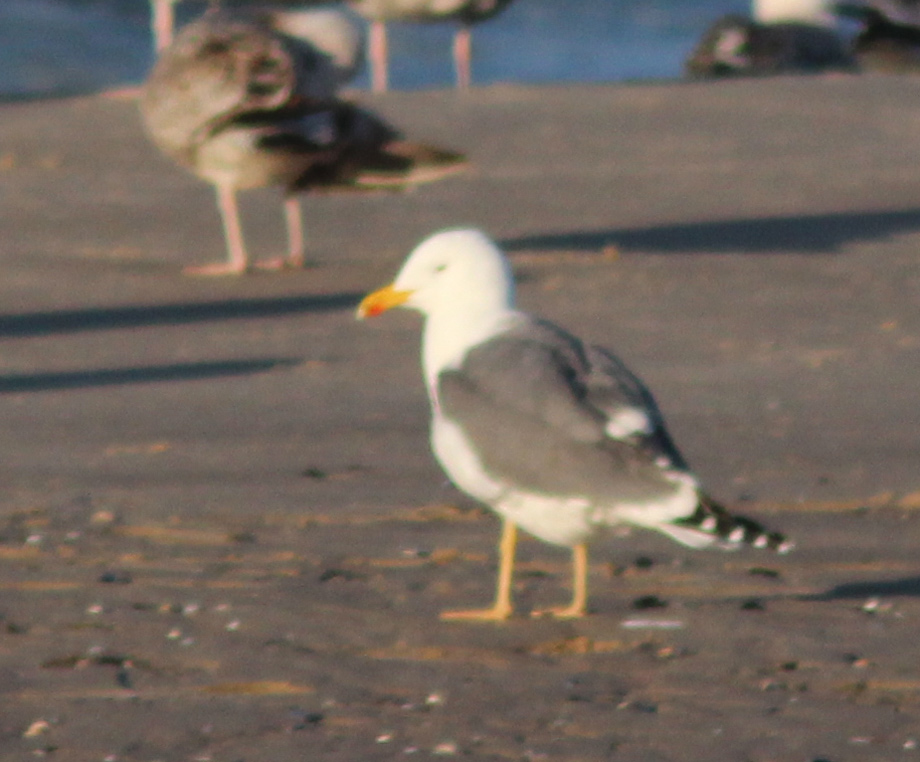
pixel 811 234
pixel 109 318
pixel 910 586
pixel 46 382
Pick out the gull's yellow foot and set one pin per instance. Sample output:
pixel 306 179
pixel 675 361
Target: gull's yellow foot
pixel 579 605
pixel 495 614
pixel 502 608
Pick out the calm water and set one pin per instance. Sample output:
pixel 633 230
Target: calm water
pixel 61 46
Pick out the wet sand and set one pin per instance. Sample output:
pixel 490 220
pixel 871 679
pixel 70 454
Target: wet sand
pixel 223 537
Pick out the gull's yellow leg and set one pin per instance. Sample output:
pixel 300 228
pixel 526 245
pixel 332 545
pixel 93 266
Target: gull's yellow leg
pixel 502 607
pixel 579 604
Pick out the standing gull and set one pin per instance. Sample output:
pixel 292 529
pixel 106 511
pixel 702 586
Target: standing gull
pixel 466 12
pixel 559 438
pixel 781 37
pixel 244 106
pixel 737 46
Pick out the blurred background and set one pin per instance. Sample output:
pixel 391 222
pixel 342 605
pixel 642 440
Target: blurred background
pixel 58 47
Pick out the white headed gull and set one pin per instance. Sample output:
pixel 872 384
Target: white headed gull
pixel 557 437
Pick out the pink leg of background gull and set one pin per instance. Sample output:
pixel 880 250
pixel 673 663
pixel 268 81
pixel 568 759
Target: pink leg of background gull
pixel 237 261
pixel 463 45
pixel 163 23
pixel 378 55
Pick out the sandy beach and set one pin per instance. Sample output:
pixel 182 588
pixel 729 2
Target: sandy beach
pixel 223 536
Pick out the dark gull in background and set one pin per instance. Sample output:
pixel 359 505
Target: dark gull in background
pixel 559 438
pixel 738 46
pixel 780 37
pixel 889 34
pixel 244 106
pixel 903 12
pixel 465 12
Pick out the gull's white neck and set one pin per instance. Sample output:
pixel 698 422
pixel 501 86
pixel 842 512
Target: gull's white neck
pixel 460 281
pixel 450 333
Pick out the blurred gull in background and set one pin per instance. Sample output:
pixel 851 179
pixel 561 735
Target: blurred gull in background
pixel 466 12
pixel 889 34
pixel 242 105
pixel 783 36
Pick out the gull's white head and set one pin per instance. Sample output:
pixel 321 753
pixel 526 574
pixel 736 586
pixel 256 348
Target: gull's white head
pixel 453 271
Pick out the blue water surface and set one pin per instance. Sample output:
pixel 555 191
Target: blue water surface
pixel 52 47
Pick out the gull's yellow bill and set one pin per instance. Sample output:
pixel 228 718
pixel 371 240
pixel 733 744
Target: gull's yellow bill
pixel 381 300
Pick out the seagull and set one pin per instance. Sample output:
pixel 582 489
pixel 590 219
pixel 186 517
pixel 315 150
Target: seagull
pixel 557 437
pixel 466 12
pixel 779 37
pixel 738 46
pixel 889 36
pixel 243 106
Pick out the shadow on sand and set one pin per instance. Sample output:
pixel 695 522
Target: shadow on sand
pixel 111 318
pixel 909 586
pixel 804 234
pixel 87 379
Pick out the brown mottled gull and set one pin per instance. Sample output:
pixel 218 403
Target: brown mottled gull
pixel 243 106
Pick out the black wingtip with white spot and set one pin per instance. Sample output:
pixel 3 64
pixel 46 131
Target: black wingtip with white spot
pixel 711 518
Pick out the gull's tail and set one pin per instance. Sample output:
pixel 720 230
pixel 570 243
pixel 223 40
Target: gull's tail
pixel 711 524
pixel 372 156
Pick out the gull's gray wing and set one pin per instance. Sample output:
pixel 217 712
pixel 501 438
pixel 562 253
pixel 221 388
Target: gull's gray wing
pixel 541 412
